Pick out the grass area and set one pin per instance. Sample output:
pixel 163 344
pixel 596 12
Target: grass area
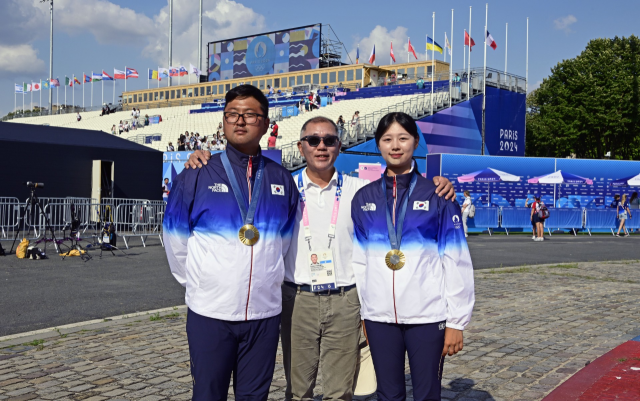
pixel 564 266
pixel 156 316
pixel 34 343
pixel 510 271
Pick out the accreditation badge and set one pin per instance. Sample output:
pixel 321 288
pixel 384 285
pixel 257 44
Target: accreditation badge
pixel 322 270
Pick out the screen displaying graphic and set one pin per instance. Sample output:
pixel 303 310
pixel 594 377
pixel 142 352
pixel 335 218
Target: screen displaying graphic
pixel 270 53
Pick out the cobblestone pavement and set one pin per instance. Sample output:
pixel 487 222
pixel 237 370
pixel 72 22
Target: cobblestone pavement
pixel 533 327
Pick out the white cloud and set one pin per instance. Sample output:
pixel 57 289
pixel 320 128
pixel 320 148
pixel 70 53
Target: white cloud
pixel 19 59
pixel 534 86
pixel 222 19
pixel 382 38
pixel 564 23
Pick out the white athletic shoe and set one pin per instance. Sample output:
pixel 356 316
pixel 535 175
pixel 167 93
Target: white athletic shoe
pixel 534 237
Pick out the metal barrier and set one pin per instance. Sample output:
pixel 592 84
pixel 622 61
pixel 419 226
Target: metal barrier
pixel 130 217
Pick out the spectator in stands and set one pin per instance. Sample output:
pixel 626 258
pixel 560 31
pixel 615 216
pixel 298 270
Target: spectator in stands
pixel 126 126
pixel 121 127
pixel 113 129
pixel 535 218
pixel 466 207
pixel 393 78
pixel 78 117
pixel 318 101
pixel 340 124
pixel 306 104
pixel 622 209
pixel 133 113
pixel 146 120
pixel 355 122
pixel 181 144
pixel 274 129
pixel 456 78
pixel 170 147
pixel 271 142
pixel 420 83
pixel 270 90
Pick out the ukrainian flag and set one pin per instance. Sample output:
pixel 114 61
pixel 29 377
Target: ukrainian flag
pixel 432 45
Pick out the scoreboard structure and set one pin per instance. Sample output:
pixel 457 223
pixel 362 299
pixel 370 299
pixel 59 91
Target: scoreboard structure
pixel 277 52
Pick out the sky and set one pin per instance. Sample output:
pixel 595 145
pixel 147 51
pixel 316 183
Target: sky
pixel 96 35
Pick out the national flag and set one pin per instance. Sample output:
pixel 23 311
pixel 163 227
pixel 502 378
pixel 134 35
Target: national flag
pixel 372 57
pixel 174 72
pixel 468 39
pixel 19 88
pixel 183 71
pixel 35 86
pixel 393 57
pixel 131 73
pixel 433 45
pixel 45 84
pixel 194 70
pixel 118 74
pixel 412 50
pixel 106 77
pixel 76 80
pixel 87 78
pixel 491 42
pixel 153 74
pixel 357 54
pixel 66 81
pixel 55 82
pixel 26 88
pixel 447 44
pixel 96 77
pixel 163 73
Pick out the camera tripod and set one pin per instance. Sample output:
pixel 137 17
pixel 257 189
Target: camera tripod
pixel 74 237
pixel 32 203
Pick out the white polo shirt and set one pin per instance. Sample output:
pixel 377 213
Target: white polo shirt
pixel 320 207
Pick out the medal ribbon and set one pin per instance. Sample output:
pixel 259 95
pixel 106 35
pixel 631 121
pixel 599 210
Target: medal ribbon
pixel 395 233
pixel 305 212
pixel 247 215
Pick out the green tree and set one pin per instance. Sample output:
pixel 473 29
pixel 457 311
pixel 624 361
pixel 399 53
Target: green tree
pixel 589 105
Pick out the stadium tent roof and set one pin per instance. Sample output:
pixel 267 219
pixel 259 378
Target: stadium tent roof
pixel 12 132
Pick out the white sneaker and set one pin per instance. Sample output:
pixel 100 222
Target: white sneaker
pixel 534 237
pixel 465 235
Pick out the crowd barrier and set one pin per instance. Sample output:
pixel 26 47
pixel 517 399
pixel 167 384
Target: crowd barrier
pixel 559 218
pixel 132 218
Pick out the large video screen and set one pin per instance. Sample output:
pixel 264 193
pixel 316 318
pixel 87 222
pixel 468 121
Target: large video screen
pixel 269 53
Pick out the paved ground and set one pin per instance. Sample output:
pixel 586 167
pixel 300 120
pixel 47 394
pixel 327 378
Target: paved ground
pixel 533 327
pixel 41 294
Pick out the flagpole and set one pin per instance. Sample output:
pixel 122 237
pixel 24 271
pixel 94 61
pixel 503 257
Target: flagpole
pixel 31 104
pixel 73 91
pixel 451 59
pixel 148 83
pixel 114 89
pixel 83 85
pixel 408 41
pixel 102 103
pixel 23 100
pixel 58 95
pixel 65 90
pixel 469 61
pixel 484 77
pixel 91 80
pixel 526 77
pixel 506 41
pixel 445 47
pixel 464 57
pixel 125 78
pixel 40 97
pixel 433 57
pixel 158 78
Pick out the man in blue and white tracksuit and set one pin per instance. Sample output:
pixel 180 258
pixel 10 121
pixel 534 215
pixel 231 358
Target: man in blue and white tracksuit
pixel 232 287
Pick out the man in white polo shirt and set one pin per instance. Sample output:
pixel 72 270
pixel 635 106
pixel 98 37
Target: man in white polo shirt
pixel 320 324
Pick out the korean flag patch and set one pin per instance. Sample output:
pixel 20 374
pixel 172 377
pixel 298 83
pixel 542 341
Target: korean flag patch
pixel 277 189
pixel 421 205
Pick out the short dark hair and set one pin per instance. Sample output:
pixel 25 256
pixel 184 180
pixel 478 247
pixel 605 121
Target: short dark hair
pixel 405 120
pixel 245 91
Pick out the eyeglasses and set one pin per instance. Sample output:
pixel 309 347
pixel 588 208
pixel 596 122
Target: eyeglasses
pixel 249 118
pixel 314 140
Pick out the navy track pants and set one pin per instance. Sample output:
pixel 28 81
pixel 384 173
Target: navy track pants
pixel 423 343
pixel 219 348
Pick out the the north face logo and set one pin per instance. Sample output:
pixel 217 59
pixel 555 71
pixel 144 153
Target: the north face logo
pixel 369 207
pixel 219 188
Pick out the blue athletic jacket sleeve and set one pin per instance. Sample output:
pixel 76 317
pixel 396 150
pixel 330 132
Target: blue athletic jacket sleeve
pixel 177 221
pixel 456 263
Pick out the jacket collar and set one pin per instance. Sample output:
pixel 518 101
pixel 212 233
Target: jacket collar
pixel 307 182
pixel 240 159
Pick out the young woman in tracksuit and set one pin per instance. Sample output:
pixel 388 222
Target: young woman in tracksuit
pixel 412 267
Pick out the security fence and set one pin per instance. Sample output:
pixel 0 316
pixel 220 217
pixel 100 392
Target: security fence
pixel 80 218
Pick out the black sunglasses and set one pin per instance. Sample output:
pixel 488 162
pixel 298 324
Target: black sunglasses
pixel 314 140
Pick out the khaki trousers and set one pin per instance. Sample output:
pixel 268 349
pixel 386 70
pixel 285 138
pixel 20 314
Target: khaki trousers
pixel 320 330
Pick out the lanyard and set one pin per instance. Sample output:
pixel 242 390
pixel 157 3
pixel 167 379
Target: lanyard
pixel 305 212
pixel 395 233
pixel 247 215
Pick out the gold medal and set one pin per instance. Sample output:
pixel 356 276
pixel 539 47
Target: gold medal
pixel 394 259
pixel 249 235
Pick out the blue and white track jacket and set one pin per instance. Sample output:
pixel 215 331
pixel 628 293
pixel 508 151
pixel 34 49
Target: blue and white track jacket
pixel 436 282
pixel 225 279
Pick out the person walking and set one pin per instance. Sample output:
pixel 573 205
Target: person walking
pixel 321 311
pixel 412 267
pixel 466 208
pixel 230 257
pixel 536 220
pixel 340 123
pixel 355 123
pixel 622 208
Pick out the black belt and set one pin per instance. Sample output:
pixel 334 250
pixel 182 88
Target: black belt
pixel 307 288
